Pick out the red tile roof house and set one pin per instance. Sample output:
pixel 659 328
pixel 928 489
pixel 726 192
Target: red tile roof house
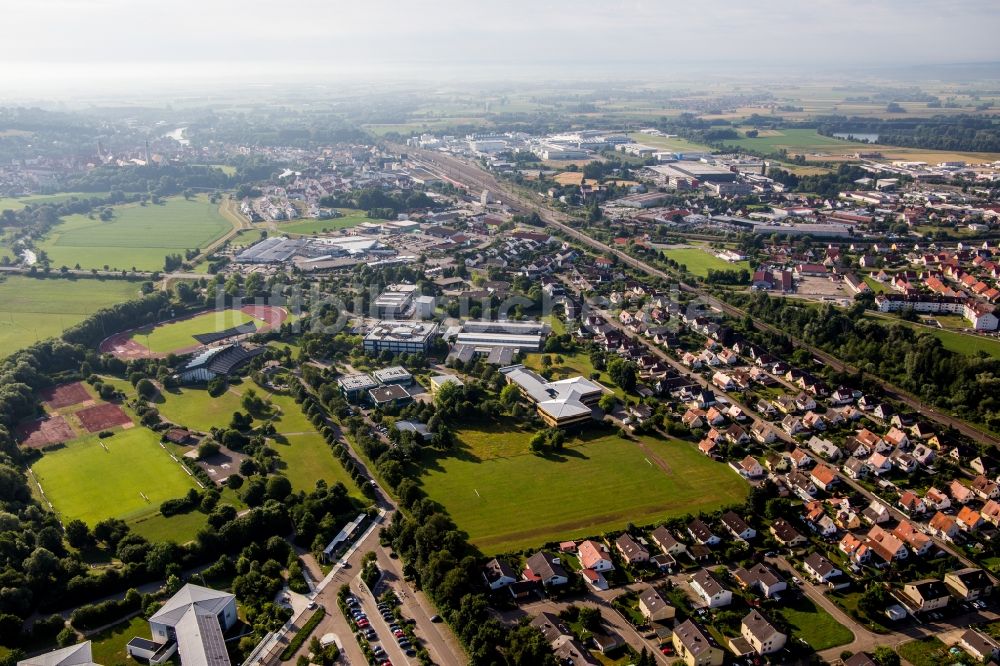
pixel 594 556
pixel 823 476
pixel 545 568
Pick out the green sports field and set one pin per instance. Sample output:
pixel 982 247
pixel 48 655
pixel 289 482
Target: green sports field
pixel 508 499
pixel 37 308
pixel 84 481
pixel 179 334
pixel 352 218
pixel 138 236
pixel 699 261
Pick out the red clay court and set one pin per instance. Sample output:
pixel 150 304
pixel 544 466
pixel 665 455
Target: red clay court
pixel 65 395
pixel 103 416
pixel 45 432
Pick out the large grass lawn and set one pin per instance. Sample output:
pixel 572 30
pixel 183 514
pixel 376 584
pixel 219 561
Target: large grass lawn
pixel 38 308
pixel 814 625
pixel 507 499
pixel 180 528
pixel 84 481
pixel 138 236
pixel 961 343
pixel 352 218
pixel 179 334
pixel 305 459
pixel 195 408
pixel 699 261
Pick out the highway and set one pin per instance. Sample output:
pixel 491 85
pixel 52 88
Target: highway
pixel 459 171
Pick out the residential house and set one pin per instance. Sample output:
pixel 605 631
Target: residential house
pixel 654 607
pixel 926 595
pixel 981 647
pixel 855 468
pixel 792 425
pixel 702 533
pixel 545 568
pixel 498 574
pixel 991 512
pixel 593 555
pixel 820 569
pixel 667 542
pixel 918 542
pixel 823 477
pixel 984 488
pixel 595 579
pixel 912 503
pixel 800 459
pixel 761 578
pixel 761 634
pixel 785 534
pixel 943 526
pixel 708 588
pixel 750 468
pixel 823 447
pixel 936 499
pixel 737 526
pixel 631 550
pixel 969 520
pixel 903 461
pixel 879 464
pixel 969 584
pixel 959 493
pixel 695 647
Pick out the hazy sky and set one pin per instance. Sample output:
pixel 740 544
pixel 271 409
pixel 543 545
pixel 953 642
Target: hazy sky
pixel 88 41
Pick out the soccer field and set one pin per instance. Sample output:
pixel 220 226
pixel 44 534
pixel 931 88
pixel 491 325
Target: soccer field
pixel 508 499
pixel 36 308
pixel 699 261
pixel 179 334
pixel 138 236
pixel 85 481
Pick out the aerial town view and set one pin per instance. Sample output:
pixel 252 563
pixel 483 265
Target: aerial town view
pixel 524 334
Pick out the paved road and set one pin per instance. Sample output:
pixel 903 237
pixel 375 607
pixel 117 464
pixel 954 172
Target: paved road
pixel 470 174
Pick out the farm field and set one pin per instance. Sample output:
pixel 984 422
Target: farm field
pixel 816 146
pixel 84 481
pixel 40 308
pixel 178 335
pixel 138 236
pixel 814 625
pixel 352 218
pixel 699 261
pixel 507 498
pixel 18 203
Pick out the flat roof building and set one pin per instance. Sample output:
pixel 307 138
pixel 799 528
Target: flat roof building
pixel 395 301
pixel 396 374
pixel 355 386
pixel 440 380
pixel 399 337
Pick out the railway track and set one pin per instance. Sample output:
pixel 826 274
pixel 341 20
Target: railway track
pixel 456 170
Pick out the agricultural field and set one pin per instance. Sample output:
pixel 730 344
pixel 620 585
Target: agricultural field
pixel 305 227
pixel 37 308
pixel 138 236
pixel 508 499
pixel 18 203
pixel 124 476
pixel 699 261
